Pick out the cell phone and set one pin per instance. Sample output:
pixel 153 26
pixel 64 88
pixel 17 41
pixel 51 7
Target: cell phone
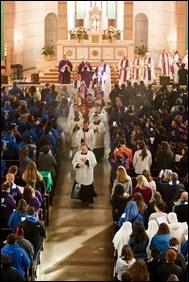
pixel 114 123
pixel 161 173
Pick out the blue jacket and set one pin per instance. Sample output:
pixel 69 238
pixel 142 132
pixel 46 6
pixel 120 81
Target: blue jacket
pixel 139 249
pixel 161 242
pixel 16 218
pixel 131 214
pixel 12 148
pixel 20 259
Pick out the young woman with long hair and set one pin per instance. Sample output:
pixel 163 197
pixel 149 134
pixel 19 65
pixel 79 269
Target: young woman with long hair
pixel 31 172
pixel 118 202
pixel 18 214
pixel 123 178
pixel 31 199
pixel 136 134
pixel 24 160
pixel 125 261
pixel 142 158
pixel 161 239
pixel 156 198
pixel 143 188
pixel 142 207
pixel 151 181
pixel 164 157
pixel 139 241
pixel 139 271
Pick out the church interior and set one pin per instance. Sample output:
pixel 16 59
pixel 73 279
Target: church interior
pixel 35 37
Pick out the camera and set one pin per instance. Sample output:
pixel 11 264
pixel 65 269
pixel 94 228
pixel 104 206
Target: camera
pixel 119 158
pixel 118 146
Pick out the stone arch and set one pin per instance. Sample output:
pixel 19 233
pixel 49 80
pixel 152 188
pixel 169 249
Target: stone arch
pixel 141 30
pixel 50 29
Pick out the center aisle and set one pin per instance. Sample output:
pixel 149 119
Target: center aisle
pixel 79 239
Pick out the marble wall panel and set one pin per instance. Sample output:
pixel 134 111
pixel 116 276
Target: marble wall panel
pixel 95 53
pixel 108 53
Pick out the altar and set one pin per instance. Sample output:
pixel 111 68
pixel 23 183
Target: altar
pixel 97 38
pixel 110 52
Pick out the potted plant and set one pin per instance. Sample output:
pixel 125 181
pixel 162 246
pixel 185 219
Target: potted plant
pixel 141 50
pixel 48 51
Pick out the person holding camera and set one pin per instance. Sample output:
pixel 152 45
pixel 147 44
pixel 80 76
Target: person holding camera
pixel 122 148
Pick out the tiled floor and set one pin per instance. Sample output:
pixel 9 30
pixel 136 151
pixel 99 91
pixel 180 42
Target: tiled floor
pixel 79 241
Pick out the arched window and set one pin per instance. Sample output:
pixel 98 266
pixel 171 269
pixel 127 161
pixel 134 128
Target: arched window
pixel 50 29
pixel 141 30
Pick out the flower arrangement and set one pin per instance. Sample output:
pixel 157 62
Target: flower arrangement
pixel 111 32
pixel 78 32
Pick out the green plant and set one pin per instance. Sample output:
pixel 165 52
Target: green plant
pixel 141 50
pixel 48 50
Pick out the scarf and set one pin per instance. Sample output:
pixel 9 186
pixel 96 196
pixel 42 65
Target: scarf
pixel 137 70
pixel 165 62
pixel 101 75
pixel 125 71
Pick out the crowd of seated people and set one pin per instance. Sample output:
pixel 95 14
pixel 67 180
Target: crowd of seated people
pixel 144 137
pixel 29 132
pixel 156 136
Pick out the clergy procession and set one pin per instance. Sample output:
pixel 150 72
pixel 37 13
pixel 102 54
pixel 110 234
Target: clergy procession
pixel 94 141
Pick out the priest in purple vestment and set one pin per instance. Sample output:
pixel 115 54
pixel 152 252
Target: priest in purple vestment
pixel 64 68
pixel 85 70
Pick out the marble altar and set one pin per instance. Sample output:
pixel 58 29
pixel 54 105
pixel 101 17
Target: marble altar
pixel 110 52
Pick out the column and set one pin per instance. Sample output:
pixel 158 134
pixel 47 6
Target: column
pixel 71 14
pixel 62 20
pixel 128 20
pixel 120 16
pixel 181 15
pixel 86 20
